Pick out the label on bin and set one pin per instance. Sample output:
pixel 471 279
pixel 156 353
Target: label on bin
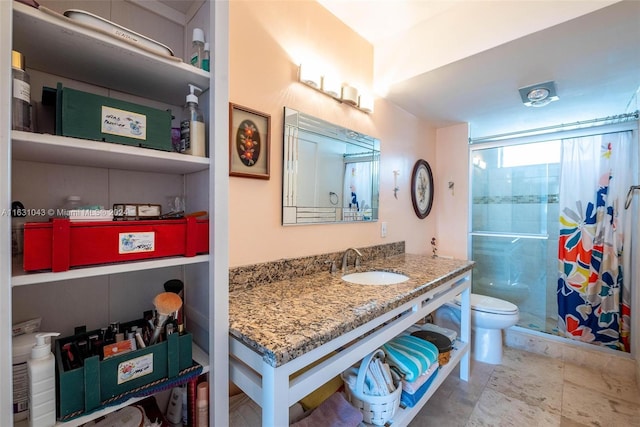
pixel 135 368
pixel 130 243
pixel 123 123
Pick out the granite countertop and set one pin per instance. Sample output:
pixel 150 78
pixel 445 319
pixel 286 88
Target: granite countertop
pixel 286 319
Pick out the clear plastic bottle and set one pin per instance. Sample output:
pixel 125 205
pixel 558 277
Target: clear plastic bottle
pixel 206 57
pixel 197 47
pixel 41 371
pixel 21 94
pixel 192 126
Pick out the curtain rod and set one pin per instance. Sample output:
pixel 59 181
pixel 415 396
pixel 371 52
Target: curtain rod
pixel 619 118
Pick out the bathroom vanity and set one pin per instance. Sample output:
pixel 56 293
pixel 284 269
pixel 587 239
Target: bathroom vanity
pixel 325 324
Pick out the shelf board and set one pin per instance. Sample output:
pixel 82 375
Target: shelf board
pixel 37 147
pixel 83 54
pixel 21 278
pixel 198 355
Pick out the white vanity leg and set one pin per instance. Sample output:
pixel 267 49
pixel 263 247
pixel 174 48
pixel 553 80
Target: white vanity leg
pixel 275 393
pixel 465 329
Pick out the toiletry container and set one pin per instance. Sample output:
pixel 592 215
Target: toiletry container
pixel 197 47
pixel 42 383
pixel 21 350
pixel 202 404
pixel 206 57
pixel 21 94
pixel 192 126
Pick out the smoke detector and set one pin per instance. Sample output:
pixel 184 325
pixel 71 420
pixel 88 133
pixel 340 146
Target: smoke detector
pixel 539 95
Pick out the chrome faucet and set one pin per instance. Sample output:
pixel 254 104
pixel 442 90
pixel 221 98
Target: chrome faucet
pixel 345 259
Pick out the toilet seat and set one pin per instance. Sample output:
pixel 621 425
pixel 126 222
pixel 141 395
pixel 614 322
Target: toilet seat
pixel 489 304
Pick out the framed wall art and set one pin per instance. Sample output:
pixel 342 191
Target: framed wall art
pixel 249 142
pixel 422 188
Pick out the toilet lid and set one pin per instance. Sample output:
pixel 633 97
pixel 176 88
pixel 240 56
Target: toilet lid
pixel 490 304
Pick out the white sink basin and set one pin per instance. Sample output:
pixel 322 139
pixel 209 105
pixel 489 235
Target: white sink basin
pixel 375 278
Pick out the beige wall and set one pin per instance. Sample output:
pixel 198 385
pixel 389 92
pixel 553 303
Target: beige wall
pixel 452 205
pixel 267 41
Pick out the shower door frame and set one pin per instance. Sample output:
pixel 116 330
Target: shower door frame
pixel 531 136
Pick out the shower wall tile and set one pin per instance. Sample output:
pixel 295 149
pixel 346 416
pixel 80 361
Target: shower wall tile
pixel 532 343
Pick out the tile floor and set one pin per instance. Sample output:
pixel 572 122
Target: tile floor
pixel 531 390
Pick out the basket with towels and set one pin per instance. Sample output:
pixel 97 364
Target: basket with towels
pixel 372 389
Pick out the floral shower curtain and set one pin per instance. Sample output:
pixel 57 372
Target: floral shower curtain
pixel 593 295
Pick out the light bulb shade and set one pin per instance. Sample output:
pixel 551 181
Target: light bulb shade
pixel 350 95
pixel 309 76
pixel 331 86
pixel 539 95
pixel 365 103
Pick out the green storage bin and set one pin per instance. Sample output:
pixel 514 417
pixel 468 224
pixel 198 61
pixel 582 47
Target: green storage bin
pixel 101 383
pixel 86 115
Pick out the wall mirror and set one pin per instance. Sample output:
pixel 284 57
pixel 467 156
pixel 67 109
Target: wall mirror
pixel 330 174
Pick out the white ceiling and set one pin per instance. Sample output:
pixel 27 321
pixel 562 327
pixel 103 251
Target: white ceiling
pixel 594 60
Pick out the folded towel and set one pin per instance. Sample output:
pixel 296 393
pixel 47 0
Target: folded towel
pixel 333 412
pixel 374 380
pixel 410 399
pixel 412 387
pixel 411 355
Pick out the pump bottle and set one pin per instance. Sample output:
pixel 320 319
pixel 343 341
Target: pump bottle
pixel 197 48
pixel 41 371
pixel 192 126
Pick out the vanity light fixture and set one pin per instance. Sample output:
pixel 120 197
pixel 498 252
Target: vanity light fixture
pixel 350 95
pixel 539 95
pixel 309 76
pixel 365 103
pixel 330 85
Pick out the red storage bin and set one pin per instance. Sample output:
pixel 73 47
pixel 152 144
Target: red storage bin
pixel 61 244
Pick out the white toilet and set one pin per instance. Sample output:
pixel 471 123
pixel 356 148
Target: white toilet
pixel 489 316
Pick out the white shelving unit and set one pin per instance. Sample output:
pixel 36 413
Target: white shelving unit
pixel 273 389
pixel 56 46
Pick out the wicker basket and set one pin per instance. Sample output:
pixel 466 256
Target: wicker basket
pixel 376 410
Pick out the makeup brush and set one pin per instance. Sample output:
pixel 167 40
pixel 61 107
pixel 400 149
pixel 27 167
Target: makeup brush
pixel 177 287
pixel 166 303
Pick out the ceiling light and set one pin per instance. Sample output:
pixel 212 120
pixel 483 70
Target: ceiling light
pixel 538 95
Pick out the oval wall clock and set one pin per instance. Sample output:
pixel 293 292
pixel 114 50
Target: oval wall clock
pixel 422 188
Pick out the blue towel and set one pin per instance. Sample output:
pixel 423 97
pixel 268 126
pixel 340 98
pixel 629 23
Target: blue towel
pixel 410 355
pixel 409 399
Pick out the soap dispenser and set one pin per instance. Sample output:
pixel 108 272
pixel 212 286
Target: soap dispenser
pixel 41 371
pixel 192 126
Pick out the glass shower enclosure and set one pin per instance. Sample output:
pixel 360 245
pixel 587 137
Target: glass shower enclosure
pixel 514 227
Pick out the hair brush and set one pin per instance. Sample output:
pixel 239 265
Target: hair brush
pixel 166 303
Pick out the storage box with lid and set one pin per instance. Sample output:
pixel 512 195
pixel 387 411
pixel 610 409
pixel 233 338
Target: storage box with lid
pixel 86 115
pixel 61 244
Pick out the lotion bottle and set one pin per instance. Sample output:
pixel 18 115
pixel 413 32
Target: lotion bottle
pixel 202 404
pixel 41 370
pixel 192 126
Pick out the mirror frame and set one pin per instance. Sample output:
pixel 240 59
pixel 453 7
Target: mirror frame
pixel 364 146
